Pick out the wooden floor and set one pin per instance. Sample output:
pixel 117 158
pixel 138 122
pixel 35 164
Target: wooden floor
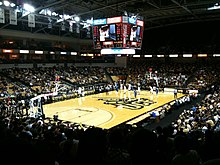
pixel 101 110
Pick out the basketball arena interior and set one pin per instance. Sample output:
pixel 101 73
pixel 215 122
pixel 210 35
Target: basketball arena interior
pixel 110 82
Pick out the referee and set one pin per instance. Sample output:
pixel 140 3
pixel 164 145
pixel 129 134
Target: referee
pixel 175 93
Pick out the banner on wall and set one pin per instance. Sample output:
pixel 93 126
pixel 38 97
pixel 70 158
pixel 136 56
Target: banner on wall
pixel 31 20
pixel 2 15
pixel 77 28
pixel 13 17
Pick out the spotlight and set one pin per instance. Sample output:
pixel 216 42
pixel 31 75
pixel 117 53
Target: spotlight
pixel 12 5
pixel 6 3
pixel 29 8
pixel 76 18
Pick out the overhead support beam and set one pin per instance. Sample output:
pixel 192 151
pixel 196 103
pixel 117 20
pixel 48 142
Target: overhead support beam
pixel 91 11
pixel 183 22
pixel 153 3
pixel 111 7
pixel 105 7
pixel 185 8
pixel 49 5
pixel 68 3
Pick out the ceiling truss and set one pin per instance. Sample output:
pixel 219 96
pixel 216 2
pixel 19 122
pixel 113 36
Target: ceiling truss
pixel 155 13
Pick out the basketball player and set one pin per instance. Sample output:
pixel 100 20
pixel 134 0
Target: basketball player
pixel 151 90
pixel 139 88
pixel 135 93
pixel 116 87
pixel 121 85
pixel 79 91
pixel 125 89
pixel 157 90
pixel 107 88
pixel 175 93
pixel 129 86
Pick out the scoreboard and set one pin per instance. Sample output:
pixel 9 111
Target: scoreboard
pixel 118 32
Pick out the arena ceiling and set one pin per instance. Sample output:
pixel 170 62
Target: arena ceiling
pixel 155 13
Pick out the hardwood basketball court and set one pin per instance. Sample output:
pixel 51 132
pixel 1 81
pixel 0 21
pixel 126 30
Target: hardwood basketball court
pixel 107 110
